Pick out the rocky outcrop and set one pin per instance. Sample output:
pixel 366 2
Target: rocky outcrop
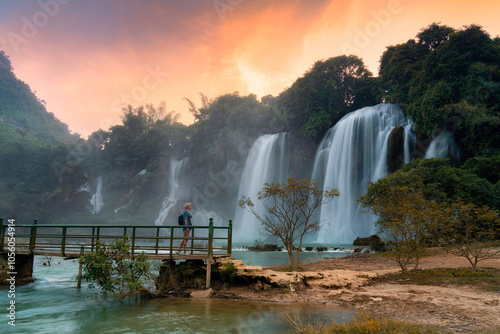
pixel 202 293
pixel 329 279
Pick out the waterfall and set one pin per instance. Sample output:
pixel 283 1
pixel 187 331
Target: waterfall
pixel 266 162
pixel 173 194
pixel 352 154
pixel 410 142
pixel 96 202
pixel 443 146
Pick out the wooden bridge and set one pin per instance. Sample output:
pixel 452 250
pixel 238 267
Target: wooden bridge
pixel 20 242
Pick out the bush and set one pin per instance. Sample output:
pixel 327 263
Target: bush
pixel 111 269
pixel 226 274
pixel 377 245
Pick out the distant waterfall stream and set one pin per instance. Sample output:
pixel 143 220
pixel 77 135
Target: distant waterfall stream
pixel 443 146
pixel 173 193
pixel 96 202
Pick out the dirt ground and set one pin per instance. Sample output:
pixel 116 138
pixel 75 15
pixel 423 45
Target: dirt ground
pixel 459 309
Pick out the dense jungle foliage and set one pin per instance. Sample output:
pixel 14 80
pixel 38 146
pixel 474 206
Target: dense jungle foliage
pixel 444 79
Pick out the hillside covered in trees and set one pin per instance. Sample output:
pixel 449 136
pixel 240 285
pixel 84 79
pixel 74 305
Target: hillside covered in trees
pixel 444 79
pixel 33 143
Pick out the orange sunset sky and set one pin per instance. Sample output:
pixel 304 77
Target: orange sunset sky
pixel 89 58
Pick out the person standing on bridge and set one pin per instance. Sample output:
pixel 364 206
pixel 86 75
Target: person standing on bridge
pixel 185 230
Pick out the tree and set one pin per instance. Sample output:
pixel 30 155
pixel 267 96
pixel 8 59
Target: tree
pixel 471 231
pixel 486 168
pixel 438 181
pixel 434 35
pixel 406 220
pixel 448 79
pixel 327 92
pixel 289 211
pixel 111 268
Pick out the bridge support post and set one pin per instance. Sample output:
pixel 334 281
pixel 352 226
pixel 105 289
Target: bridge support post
pixel 79 284
pixel 33 236
pixel 210 250
pixel 20 267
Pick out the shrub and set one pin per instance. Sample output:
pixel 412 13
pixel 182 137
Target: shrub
pixel 111 268
pixel 377 244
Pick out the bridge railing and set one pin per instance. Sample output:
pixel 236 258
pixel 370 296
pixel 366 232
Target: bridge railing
pixel 73 239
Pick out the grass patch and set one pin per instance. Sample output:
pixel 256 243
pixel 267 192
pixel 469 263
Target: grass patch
pixel 487 279
pixel 427 252
pixel 363 323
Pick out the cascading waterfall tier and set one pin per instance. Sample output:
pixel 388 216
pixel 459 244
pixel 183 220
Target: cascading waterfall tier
pixel 266 162
pixel 443 146
pixel 174 192
pixel 96 202
pixel 352 154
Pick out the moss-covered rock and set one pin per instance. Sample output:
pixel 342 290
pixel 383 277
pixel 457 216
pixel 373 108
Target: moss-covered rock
pixel 395 151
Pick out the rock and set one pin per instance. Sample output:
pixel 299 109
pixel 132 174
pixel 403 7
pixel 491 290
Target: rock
pixel 252 269
pixel 202 294
pixel 237 263
pixel 266 286
pixel 258 286
pixel 282 283
pixel 395 149
pixel 355 285
pixel 337 292
pixel 332 284
pixel 265 248
pixel 363 241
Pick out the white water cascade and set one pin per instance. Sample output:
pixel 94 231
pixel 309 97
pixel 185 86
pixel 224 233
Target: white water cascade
pixel 174 191
pixel 96 202
pixel 443 146
pixel 266 162
pixel 353 153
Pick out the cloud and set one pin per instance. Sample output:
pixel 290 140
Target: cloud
pixel 93 53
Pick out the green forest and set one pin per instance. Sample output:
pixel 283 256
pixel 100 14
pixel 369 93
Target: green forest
pixel 444 79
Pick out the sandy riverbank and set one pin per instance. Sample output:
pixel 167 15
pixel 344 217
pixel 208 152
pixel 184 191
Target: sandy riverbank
pixel 349 282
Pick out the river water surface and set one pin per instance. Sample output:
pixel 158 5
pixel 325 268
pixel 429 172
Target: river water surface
pixel 53 304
